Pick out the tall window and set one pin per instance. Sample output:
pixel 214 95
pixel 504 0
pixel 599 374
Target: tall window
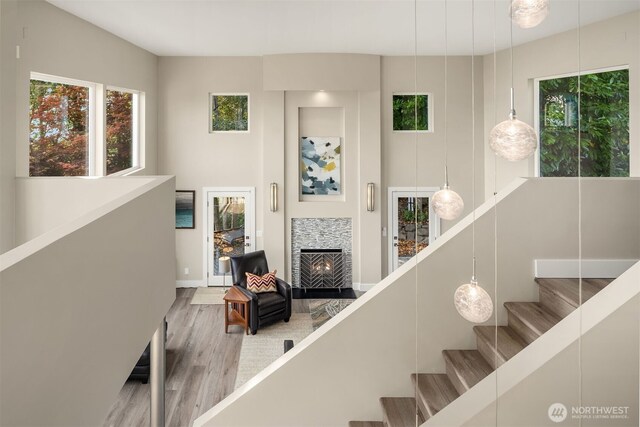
pixel 120 134
pixel 229 113
pixel 63 123
pixel 598 115
pixel 59 129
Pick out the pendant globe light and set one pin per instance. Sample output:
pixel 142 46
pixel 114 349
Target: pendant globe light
pixel 529 13
pixel 513 140
pixel 472 302
pixel 447 203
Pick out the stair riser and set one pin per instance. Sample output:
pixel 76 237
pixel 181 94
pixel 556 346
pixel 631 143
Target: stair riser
pixel 420 399
pixel 528 334
pixel 453 377
pixel 488 353
pixel 555 304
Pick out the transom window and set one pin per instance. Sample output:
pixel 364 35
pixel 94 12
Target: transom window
pixel 409 107
pixel 64 124
pixel 597 114
pixel 228 112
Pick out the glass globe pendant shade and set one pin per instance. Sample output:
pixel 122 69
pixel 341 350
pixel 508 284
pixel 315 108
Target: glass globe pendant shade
pixel 513 139
pixel 529 13
pixel 447 203
pixel 473 303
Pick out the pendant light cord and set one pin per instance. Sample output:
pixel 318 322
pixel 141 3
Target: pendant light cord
pixel 415 210
pixel 579 214
pixel 446 93
pixel 495 206
pixel 473 136
pixel 513 96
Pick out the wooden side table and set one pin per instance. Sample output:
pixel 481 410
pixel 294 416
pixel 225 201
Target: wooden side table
pixel 239 312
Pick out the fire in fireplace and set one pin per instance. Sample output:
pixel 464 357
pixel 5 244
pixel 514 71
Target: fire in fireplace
pixel 321 268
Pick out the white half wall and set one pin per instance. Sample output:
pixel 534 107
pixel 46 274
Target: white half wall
pixel 79 304
pixel 403 323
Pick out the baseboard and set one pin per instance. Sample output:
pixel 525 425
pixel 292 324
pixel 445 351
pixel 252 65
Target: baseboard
pixel 363 287
pixel 190 284
pixel 586 268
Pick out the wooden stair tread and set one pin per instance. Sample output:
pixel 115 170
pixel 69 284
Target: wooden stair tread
pixel 434 392
pixel 366 424
pixel 568 289
pixel 509 342
pixel 533 315
pixel 401 412
pixel 469 366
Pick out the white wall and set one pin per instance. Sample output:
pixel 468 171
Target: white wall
pixel 79 304
pixel 390 340
pixel 201 159
pixel 85 52
pixel 613 42
pixel 45 203
pixel 8 11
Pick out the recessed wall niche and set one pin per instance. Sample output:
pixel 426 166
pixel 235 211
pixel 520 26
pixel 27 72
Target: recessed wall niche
pixel 324 124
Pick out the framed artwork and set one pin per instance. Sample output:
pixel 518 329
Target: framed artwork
pixel 320 165
pixel 228 112
pixel 185 209
pixel 409 106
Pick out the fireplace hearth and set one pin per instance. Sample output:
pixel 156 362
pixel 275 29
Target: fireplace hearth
pixel 321 268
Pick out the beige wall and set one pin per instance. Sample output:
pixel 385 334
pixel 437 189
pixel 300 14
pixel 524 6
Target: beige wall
pixel 614 42
pixel 38 200
pixel 201 159
pixel 8 11
pixel 418 161
pixel 105 59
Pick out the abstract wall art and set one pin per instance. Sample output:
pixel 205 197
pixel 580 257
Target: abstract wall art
pixel 320 165
pixel 185 209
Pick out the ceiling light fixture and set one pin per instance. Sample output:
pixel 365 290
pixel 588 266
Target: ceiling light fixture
pixel 472 302
pixel 512 139
pixel 529 13
pixel 447 203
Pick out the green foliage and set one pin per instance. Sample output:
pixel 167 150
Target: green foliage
pixel 603 125
pixel 405 108
pixel 409 216
pixel 230 113
pixel 58 129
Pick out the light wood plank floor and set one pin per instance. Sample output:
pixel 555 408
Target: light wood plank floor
pixel 202 362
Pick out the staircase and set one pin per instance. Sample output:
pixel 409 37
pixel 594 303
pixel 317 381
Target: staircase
pixel 465 368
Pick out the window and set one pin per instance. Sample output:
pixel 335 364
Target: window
pixel 228 113
pixel 59 136
pixel 406 106
pixel 603 118
pixel 63 122
pixel 121 133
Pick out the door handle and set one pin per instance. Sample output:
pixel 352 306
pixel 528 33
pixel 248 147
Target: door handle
pixel 247 244
pixel 395 244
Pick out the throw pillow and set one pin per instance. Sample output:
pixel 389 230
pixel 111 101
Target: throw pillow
pixel 258 284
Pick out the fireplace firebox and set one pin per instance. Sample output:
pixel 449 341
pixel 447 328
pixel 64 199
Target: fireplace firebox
pixel 321 268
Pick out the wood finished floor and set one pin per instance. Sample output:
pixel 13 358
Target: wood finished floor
pixel 202 362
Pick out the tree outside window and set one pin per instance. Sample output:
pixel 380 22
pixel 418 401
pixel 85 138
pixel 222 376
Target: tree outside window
pixel 598 114
pixel 229 113
pixel 58 129
pixel 119 132
pixel 408 107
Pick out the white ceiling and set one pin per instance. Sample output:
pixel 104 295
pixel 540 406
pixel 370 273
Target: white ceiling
pixel 262 27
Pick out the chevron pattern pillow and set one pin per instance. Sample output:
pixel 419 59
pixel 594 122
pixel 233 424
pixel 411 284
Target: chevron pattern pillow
pixel 258 284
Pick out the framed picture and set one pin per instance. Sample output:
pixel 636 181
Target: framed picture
pixel 409 106
pixel 228 112
pixel 320 165
pixel 185 209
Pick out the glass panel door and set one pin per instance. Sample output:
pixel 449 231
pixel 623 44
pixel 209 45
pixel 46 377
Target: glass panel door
pixel 230 218
pixel 413 224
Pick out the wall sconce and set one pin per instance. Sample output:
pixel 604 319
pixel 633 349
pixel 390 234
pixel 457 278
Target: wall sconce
pixel 273 201
pixel 371 197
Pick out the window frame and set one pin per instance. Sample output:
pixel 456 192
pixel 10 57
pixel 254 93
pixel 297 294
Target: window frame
pixel 210 111
pixel 430 112
pixel 136 134
pixel 536 102
pixel 92 144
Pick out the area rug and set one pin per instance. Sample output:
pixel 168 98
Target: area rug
pixel 324 309
pixel 204 296
pixel 260 350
